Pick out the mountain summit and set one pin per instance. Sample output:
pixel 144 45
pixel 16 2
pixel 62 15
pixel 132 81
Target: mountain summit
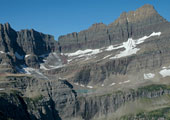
pixel 146 14
pixel 132 24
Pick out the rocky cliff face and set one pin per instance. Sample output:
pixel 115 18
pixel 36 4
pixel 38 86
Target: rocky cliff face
pixel 24 47
pixel 104 72
pixel 135 24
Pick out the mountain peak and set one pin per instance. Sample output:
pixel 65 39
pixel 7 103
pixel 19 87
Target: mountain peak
pixel 147 6
pixel 5 26
pixel 146 10
pixel 144 13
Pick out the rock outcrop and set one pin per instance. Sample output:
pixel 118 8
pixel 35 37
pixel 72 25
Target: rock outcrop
pixel 24 47
pixel 134 24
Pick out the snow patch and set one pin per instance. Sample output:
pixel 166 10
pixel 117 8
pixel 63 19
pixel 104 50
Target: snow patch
pixel 165 72
pixel 114 47
pixel 82 85
pixel 27 55
pixel 30 71
pixel 107 56
pixel 18 56
pixel 90 87
pixel 130 46
pixel 149 76
pixel 52 61
pixel 2 52
pixel 1 89
pixel 76 83
pixel 112 84
pixel 81 53
pixel 55 67
pixel 43 67
pixel 124 82
pixel 129 49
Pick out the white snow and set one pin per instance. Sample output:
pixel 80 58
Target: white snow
pixel 81 53
pixel 27 55
pixel 62 78
pixel 28 70
pixel 155 34
pixel 165 71
pixel 43 67
pixel 149 76
pixel 81 85
pixel 4 63
pixel 89 86
pixel 120 83
pixel 164 67
pixel 69 60
pixel 76 83
pixel 55 67
pixel 2 52
pixel 18 56
pixel 124 82
pixel 52 61
pixel 112 84
pixel 107 56
pixel 129 49
pixel 50 67
pixel 114 47
pixel 130 46
pixel 2 89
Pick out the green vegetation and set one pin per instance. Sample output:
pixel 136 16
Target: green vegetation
pixel 152 115
pixel 154 87
pixel 34 99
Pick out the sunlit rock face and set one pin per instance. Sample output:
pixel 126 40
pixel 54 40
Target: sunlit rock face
pixel 133 24
pixel 104 72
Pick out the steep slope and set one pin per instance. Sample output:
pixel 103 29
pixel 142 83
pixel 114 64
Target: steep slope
pixel 114 71
pixel 24 47
pixel 134 24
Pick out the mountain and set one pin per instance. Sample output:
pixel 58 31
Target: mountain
pixel 134 24
pixel 119 71
pixel 24 47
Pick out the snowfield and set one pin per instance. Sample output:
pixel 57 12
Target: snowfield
pixel 165 72
pixel 129 49
pixel 149 76
pixel 2 52
pixel 52 61
pixel 84 52
pixel 130 46
pixel 112 84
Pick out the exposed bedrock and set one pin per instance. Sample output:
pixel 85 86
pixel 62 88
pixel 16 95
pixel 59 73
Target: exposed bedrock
pixel 134 24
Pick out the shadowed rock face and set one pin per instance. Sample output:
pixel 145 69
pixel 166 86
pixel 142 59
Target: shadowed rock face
pixel 25 46
pixel 32 41
pixel 132 24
